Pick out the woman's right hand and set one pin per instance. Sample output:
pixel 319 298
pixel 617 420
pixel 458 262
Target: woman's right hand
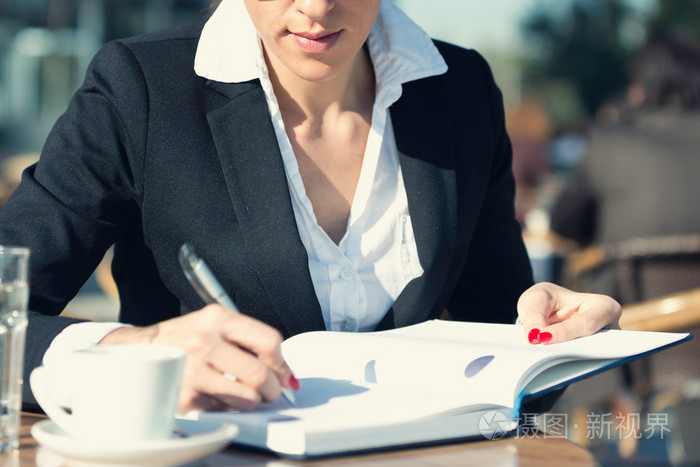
pixel 233 360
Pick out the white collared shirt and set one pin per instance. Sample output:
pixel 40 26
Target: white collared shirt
pixel 357 281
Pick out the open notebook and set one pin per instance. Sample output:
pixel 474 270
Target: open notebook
pixel 434 381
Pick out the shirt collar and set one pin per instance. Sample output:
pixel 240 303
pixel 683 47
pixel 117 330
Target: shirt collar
pixel 229 49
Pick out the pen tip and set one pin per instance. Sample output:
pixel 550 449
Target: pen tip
pixel 289 395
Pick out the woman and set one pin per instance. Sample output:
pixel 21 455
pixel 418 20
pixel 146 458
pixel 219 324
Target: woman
pixel 341 171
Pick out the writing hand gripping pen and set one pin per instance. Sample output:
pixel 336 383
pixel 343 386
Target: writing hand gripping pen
pixel 209 289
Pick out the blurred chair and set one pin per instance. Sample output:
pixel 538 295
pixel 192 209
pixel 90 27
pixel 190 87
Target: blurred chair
pixel 657 281
pixel 100 305
pixel 11 173
pixel 637 269
pixel 663 377
pixel 104 277
pixel 671 313
pixel 675 379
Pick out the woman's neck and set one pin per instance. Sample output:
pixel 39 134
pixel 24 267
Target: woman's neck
pixel 350 91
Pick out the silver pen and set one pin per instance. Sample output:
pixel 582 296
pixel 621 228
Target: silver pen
pixel 209 289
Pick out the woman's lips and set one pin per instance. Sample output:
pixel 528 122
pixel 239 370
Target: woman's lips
pixel 315 43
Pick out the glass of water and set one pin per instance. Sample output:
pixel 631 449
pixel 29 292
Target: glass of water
pixel 14 295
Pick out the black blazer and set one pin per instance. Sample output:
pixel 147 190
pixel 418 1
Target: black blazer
pixel 149 156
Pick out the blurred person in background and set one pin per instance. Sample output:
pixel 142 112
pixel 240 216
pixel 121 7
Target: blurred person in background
pixel 639 177
pixel 530 131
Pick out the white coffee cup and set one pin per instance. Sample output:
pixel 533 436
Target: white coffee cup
pixel 121 392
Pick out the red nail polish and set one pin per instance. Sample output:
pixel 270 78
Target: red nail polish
pixel 294 383
pixel 533 335
pixel 545 337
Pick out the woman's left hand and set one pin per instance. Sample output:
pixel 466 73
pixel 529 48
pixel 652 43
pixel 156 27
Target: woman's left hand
pixel 550 313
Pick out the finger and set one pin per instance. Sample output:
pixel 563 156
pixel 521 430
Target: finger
pixel 534 306
pixel 199 403
pixel 245 368
pixel 577 326
pixel 262 340
pixel 593 314
pixel 205 388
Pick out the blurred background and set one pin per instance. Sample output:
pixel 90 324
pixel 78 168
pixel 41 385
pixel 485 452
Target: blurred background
pixel 601 99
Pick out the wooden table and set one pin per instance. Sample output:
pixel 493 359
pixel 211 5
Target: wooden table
pixel 519 451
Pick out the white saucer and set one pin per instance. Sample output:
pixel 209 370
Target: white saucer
pixel 203 439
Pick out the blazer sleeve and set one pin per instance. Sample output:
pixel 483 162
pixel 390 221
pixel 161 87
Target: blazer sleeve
pixel 81 195
pixel 497 269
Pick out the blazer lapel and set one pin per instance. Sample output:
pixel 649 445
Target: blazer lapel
pixel 428 170
pixel 257 184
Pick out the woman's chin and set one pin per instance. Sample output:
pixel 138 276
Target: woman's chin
pixel 317 72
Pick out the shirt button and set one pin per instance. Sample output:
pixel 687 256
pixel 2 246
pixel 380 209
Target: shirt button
pixel 347 274
pixel 348 326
